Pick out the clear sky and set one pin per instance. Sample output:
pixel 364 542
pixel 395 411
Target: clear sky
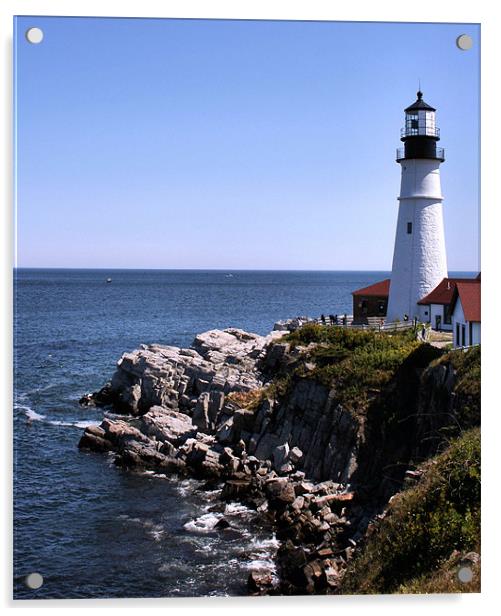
pixel 234 144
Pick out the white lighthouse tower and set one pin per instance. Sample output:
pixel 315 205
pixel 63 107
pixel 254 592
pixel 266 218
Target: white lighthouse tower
pixel 419 258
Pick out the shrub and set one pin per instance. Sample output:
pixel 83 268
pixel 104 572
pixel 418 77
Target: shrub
pixel 424 525
pixel 355 363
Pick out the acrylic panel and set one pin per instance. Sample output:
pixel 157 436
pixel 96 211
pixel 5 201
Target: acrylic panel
pixel 247 308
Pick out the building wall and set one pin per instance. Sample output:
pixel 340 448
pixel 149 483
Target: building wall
pixel 439 310
pixel 372 305
pixel 458 320
pixel 475 333
pixel 423 314
pixel 472 330
pixel 419 257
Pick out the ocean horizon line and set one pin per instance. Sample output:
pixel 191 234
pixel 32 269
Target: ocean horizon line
pixel 216 269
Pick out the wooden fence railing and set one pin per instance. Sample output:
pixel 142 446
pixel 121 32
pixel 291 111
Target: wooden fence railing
pixel 347 321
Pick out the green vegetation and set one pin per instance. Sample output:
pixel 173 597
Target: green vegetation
pixel 467 366
pixel 409 410
pixel 466 389
pixel 357 363
pixel 445 579
pixel 415 547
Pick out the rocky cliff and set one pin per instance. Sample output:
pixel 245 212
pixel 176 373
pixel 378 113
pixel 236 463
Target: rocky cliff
pixel 317 429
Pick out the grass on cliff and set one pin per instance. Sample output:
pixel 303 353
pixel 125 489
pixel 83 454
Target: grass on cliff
pixel 249 400
pixel 358 363
pixel 417 546
pixel 467 387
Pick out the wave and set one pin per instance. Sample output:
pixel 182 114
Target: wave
pixel 30 413
pixel 261 564
pixel 39 390
pixel 237 509
pixel 204 524
pixel 155 531
pixel 75 424
pixel 187 487
pixel 123 416
pixel 265 544
pixel 149 473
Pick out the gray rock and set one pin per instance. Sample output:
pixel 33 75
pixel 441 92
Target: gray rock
pixel 224 435
pixel 201 412
pixel 280 455
pixel 280 489
pixel 295 455
pixel 167 425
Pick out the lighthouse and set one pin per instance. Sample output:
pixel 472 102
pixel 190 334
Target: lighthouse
pixel 419 256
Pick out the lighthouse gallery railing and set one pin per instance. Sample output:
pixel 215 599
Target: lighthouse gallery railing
pixel 439 154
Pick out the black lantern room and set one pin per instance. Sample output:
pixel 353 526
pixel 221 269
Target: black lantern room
pixel 420 133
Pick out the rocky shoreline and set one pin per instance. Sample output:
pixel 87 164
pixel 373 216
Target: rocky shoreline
pixel 224 410
pixel 189 417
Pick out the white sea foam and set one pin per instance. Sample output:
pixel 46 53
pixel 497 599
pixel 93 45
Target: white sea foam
pixel 211 494
pixel 262 553
pixel 265 544
pixel 261 563
pixel 204 524
pixel 34 416
pixel 149 473
pixel 111 456
pixel 124 516
pixel 236 509
pixel 31 414
pixel 187 486
pixel 157 533
pixel 74 424
pixel 112 415
pixel 39 390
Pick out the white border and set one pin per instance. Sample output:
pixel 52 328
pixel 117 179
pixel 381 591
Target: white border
pixel 363 10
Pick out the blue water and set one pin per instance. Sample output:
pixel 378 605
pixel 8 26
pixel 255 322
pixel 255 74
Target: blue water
pixel 91 529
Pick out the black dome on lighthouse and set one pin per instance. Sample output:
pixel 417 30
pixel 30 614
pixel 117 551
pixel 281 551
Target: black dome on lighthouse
pixel 419 104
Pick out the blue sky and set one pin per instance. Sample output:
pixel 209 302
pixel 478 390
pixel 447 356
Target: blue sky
pixel 234 144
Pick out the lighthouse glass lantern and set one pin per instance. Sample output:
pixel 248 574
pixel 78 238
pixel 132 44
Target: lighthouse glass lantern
pixel 420 122
pixel 420 133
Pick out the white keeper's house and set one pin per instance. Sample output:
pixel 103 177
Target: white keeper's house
pixel 465 313
pixel 419 287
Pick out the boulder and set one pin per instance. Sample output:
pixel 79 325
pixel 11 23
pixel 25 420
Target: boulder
pixel 167 425
pixel 235 489
pixel 260 582
pixel 118 431
pixel 280 455
pixel 94 442
pixel 201 412
pixel 295 455
pixel 224 434
pixel 222 524
pixel 280 489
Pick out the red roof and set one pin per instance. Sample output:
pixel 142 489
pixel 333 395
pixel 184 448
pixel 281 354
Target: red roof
pixel 378 289
pixel 469 294
pixel 444 291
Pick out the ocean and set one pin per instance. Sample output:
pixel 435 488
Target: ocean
pixel 92 529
